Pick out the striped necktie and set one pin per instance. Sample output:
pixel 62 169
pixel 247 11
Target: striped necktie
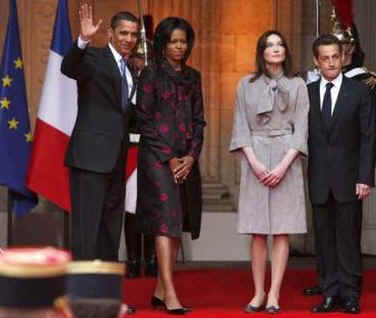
pixel 124 84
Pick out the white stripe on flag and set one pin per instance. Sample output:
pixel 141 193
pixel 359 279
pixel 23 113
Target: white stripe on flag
pixel 131 193
pixel 58 103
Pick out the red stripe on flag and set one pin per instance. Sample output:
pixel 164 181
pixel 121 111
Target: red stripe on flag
pixel 131 161
pixel 47 174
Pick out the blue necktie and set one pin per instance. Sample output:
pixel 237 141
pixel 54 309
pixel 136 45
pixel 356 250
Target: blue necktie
pixel 124 84
pixel 327 105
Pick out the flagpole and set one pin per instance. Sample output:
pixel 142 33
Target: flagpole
pixel 317 18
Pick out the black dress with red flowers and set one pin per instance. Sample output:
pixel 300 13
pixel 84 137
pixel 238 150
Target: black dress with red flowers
pixel 170 119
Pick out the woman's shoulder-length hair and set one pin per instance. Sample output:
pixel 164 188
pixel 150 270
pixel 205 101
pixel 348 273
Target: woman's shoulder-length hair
pixel 163 34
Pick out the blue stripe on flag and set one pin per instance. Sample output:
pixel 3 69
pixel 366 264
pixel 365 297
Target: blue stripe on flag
pixel 62 38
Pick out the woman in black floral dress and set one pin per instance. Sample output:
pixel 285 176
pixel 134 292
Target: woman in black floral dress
pixel 171 121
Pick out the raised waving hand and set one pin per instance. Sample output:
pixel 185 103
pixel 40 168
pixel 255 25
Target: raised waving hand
pixel 88 28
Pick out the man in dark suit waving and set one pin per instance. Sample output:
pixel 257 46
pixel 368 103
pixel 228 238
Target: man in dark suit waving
pixel 340 172
pixel 98 146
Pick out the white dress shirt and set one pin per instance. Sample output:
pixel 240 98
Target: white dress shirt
pixel 337 82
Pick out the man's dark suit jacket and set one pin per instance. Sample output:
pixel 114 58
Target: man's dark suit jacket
pixel 101 124
pixel 341 156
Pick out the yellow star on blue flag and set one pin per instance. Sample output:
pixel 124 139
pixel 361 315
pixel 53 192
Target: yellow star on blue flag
pixel 4 103
pixel 15 136
pixel 7 81
pixel 18 63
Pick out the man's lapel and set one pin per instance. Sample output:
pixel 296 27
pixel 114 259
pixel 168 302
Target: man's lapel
pixel 340 104
pixel 135 81
pixel 315 104
pixel 114 69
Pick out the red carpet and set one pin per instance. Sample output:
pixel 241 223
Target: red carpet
pixel 224 292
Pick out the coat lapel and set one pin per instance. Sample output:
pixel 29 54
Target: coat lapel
pixel 315 104
pixel 135 82
pixel 116 76
pixel 340 103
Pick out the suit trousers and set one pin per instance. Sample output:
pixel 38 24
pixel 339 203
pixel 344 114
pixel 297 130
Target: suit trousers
pixel 337 228
pixel 97 211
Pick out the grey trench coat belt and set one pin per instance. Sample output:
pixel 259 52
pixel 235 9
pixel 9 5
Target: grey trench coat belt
pixel 271 132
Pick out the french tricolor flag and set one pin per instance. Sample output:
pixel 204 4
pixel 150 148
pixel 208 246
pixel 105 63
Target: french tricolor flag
pixel 47 174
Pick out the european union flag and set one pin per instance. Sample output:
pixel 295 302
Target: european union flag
pixel 15 134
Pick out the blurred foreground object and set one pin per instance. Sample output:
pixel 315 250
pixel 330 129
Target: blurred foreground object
pixel 32 283
pixel 95 288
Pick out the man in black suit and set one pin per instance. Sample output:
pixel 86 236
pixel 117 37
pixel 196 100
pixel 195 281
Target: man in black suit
pixel 352 67
pixel 340 173
pixel 97 149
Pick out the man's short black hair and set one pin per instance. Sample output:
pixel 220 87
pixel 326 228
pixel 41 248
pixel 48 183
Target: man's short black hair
pixel 325 39
pixel 123 15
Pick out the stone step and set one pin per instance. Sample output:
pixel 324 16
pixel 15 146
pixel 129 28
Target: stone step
pixel 211 205
pixel 215 195
pixel 213 185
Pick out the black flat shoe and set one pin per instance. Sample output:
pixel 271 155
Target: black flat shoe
pixel 272 309
pixel 178 311
pixel 157 302
pixel 250 308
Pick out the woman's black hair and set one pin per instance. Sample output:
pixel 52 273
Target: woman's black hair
pixel 163 34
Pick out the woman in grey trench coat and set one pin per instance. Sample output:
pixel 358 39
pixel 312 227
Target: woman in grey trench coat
pixel 270 134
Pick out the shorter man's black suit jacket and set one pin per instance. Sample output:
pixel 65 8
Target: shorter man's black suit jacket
pixel 342 155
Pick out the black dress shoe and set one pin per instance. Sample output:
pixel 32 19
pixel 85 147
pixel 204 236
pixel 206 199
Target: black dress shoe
pixel 351 306
pixel 272 309
pixel 328 304
pixel 310 291
pixel 133 269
